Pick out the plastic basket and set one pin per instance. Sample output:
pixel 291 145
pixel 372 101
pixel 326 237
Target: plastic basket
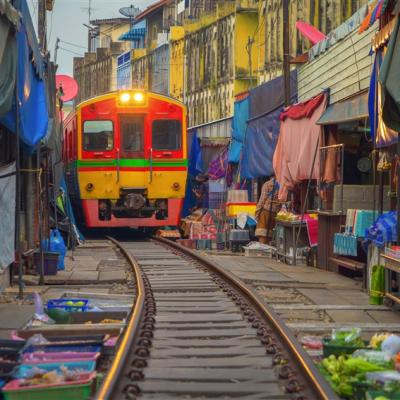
pixel 78 367
pixel 63 356
pixel 62 304
pixel 80 389
pixel 329 349
pixel 374 394
pixel 233 209
pixel 49 263
pixel 56 348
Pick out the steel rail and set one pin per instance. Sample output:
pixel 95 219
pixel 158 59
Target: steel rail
pixel 118 363
pixel 319 384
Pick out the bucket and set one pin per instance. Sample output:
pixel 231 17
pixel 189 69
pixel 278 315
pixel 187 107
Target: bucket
pixel 377 288
pixel 50 262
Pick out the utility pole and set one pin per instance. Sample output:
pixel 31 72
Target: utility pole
pixel 42 29
pixel 286 51
pixel 56 51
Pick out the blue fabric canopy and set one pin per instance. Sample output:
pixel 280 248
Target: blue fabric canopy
pixel 31 97
pixel 133 34
pixel 239 126
pixel 195 168
pixel 259 146
pixel 34 50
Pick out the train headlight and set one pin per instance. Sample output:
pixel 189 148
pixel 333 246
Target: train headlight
pixel 125 97
pixel 176 186
pixel 138 97
pixel 89 187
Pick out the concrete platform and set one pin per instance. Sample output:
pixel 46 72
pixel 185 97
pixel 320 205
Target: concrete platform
pixel 339 299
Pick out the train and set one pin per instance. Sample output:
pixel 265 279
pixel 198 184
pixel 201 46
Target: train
pixel 125 156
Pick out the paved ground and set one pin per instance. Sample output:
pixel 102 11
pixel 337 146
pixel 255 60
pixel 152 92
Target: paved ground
pixel 93 268
pixel 310 300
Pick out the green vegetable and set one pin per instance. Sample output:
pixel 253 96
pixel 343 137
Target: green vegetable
pixel 344 372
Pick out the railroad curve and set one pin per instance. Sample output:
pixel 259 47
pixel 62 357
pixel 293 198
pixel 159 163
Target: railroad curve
pixel 197 332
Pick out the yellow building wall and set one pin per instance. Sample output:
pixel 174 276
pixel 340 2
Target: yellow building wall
pixel 245 51
pixel 176 71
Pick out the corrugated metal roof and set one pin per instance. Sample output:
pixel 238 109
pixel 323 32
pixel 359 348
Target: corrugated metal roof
pixel 221 128
pixel 150 9
pixel 110 21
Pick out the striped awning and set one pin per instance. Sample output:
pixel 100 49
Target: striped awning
pixel 133 34
pixel 376 11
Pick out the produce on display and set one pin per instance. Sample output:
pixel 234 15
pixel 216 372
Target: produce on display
pixel 370 372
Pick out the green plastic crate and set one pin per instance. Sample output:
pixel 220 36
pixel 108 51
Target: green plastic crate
pixel 329 349
pixel 373 394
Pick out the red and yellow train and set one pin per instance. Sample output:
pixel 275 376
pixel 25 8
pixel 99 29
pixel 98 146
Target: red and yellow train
pixel 126 160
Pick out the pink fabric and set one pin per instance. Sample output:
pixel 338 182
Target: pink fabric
pixel 295 150
pixel 310 32
pixel 312 229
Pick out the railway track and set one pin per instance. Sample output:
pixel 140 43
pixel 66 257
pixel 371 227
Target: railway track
pixel 197 332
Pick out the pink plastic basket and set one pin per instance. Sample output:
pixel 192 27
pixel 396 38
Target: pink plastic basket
pixel 81 379
pixel 42 357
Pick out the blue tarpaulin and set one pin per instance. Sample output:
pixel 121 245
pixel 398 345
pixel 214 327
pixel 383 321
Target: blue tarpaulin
pixel 265 104
pixel 195 168
pixel 31 95
pixel 259 146
pixel 239 126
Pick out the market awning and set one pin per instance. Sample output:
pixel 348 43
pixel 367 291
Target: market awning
pixel 345 111
pixel 36 56
pixel 133 34
pixel 9 20
pixel 31 97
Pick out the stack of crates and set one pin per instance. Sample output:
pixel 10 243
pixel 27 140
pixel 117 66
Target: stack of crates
pixel 217 201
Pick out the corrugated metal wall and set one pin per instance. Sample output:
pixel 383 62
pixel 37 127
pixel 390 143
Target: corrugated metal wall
pixel 217 129
pixel 345 68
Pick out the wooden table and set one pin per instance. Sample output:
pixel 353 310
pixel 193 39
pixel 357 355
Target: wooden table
pixel 391 265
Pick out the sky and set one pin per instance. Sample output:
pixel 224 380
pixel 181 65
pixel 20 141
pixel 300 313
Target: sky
pixel 66 22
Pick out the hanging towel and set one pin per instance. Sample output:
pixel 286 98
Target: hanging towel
pixel 364 219
pixel 345 245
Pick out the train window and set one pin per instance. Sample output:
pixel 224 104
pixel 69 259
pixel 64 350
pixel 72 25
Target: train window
pixel 167 134
pixel 131 131
pixel 98 135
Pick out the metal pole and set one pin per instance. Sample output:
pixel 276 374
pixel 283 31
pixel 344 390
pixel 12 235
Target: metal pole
pixel 18 191
pixel 42 25
pixel 29 201
pixel 40 217
pixel 286 65
pixel 398 188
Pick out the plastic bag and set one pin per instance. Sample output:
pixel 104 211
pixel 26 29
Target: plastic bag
pixel 40 315
pixel 376 357
pixel 37 339
pixel 312 342
pixel 391 345
pixel 383 376
pixel 345 334
pixel 56 244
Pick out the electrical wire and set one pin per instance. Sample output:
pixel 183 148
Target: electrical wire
pixel 70 51
pixel 74 44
